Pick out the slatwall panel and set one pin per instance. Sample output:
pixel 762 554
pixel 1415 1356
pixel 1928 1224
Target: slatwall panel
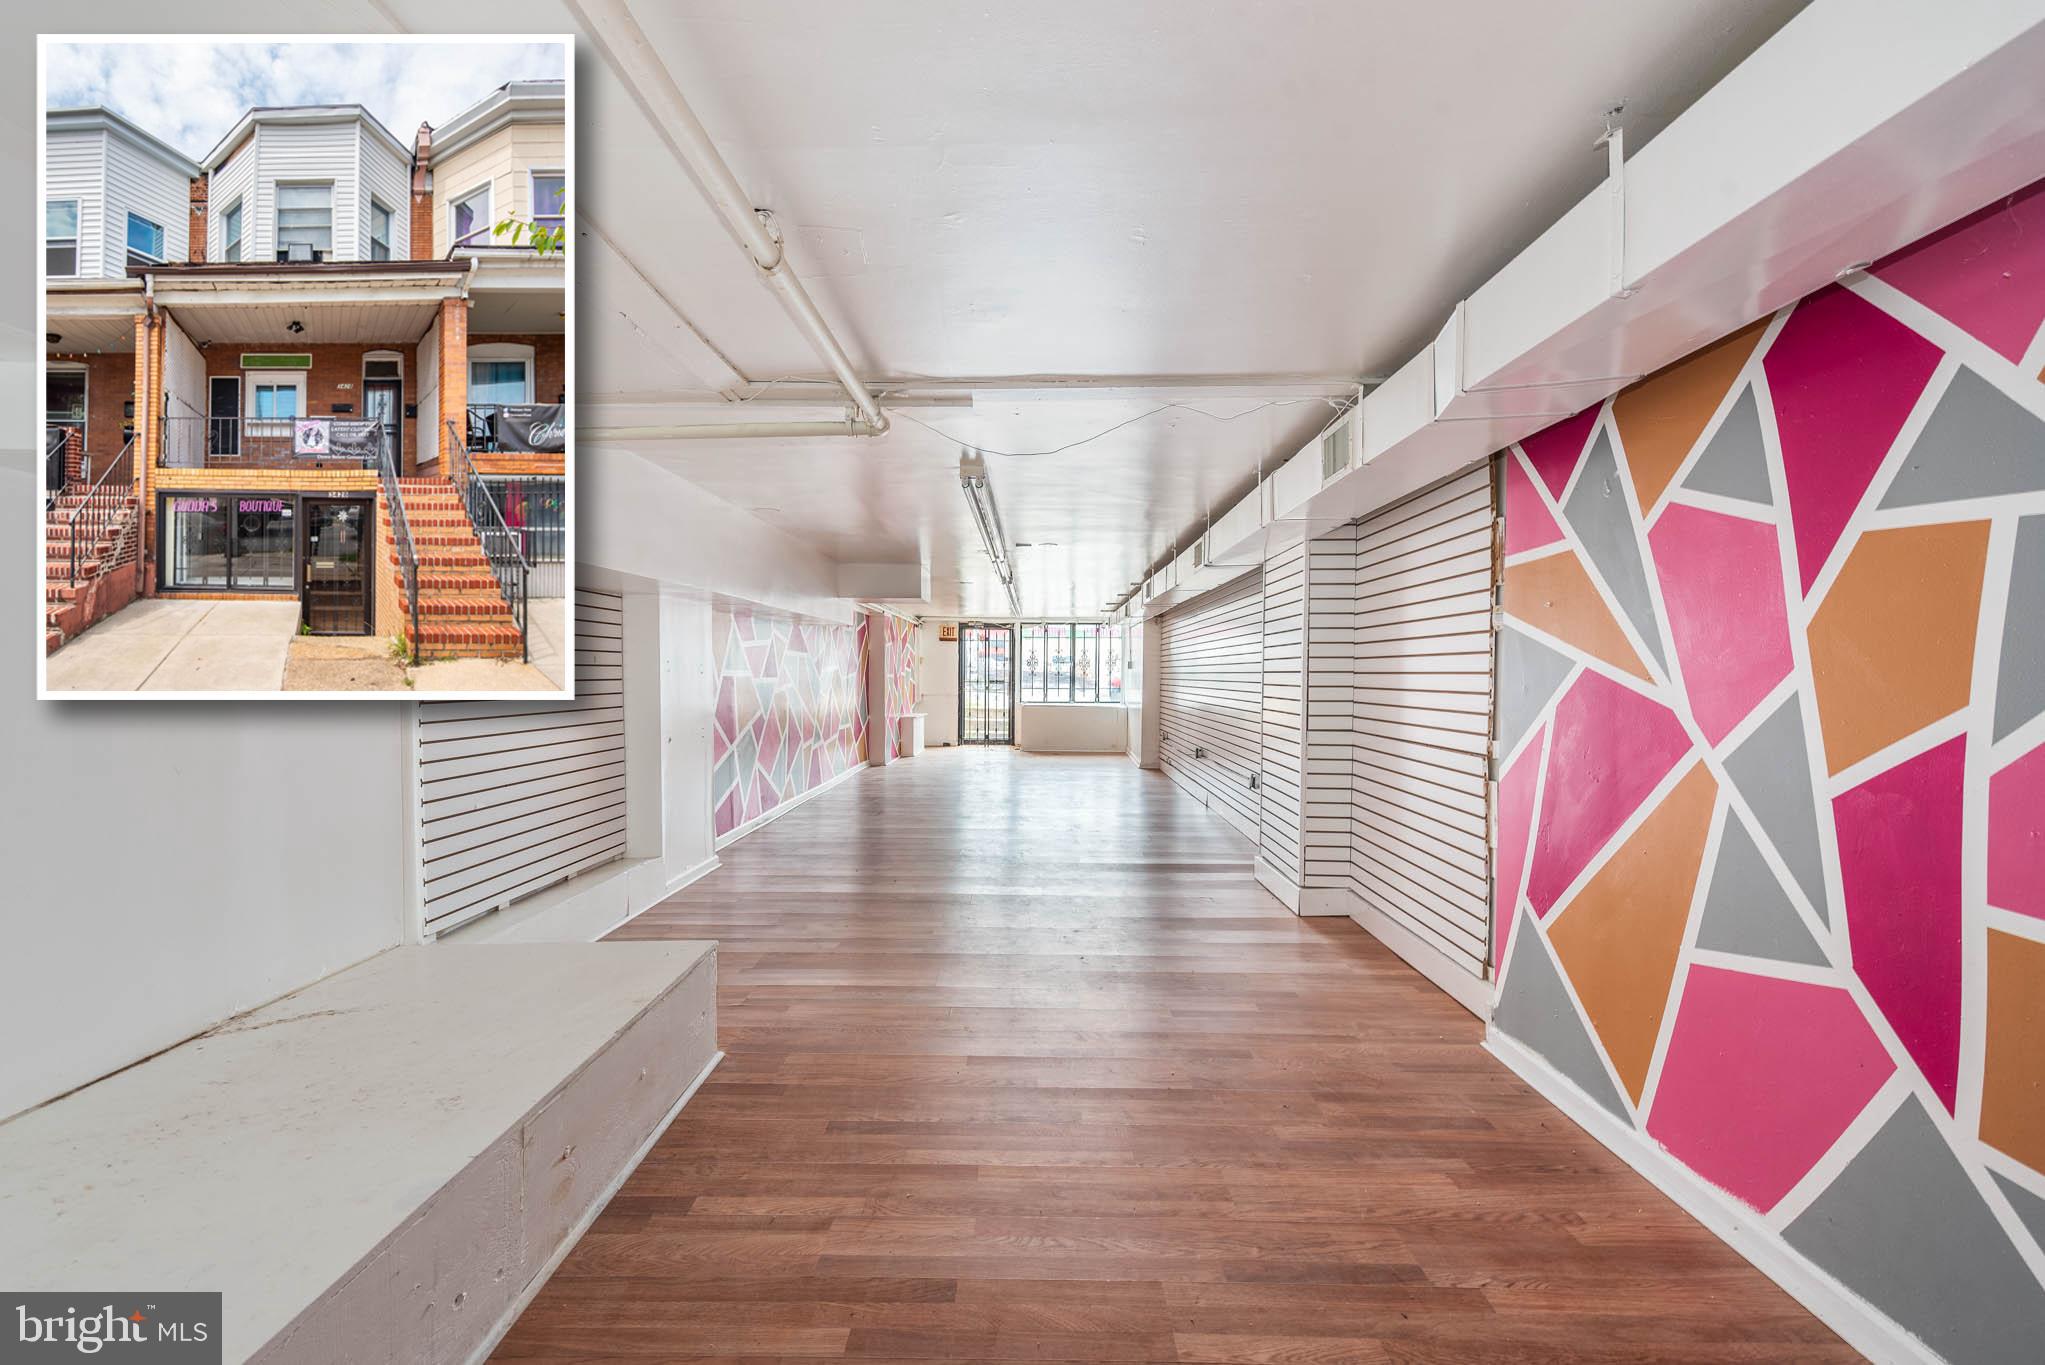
pixel 1422 715
pixel 516 796
pixel 1285 582
pixel 1210 699
pixel 1330 668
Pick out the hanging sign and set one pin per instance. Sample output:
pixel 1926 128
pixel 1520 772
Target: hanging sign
pixel 538 427
pixel 312 436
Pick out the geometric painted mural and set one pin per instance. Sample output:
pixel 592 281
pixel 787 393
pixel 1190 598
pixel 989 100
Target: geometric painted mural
pixel 1771 792
pixel 900 672
pixel 791 710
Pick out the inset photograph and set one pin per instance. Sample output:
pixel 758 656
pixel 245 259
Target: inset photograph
pixel 307 363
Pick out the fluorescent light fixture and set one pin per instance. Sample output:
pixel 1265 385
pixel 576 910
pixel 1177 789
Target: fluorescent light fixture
pixel 987 518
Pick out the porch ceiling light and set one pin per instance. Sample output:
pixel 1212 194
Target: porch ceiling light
pixel 294 326
pixel 52 338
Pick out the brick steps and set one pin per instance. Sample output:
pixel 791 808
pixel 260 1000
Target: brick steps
pixel 69 607
pixel 462 611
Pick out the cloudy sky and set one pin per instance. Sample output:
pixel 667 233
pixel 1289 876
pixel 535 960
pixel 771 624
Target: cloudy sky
pixel 190 94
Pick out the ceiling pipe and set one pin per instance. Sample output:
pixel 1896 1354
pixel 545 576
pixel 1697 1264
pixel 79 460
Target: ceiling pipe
pixel 625 46
pixel 717 431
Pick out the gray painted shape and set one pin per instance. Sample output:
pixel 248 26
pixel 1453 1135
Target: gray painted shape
pixel 1747 911
pixel 2029 1207
pixel 1735 463
pixel 1904 1227
pixel 1599 512
pixel 1979 443
pixel 1772 770
pixel 2020 677
pixel 1536 1011
pixel 1529 673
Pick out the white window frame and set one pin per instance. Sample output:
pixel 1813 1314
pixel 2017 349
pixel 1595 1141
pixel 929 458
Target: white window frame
pixel 499 351
pixel 251 380
pixel 368 356
pixel 69 367
pixel 77 237
pixel 532 192
pixel 481 235
pixel 390 216
pixel 277 241
pixel 237 208
pixel 129 254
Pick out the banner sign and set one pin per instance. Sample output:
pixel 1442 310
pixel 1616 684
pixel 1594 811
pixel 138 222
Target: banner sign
pixel 352 440
pixel 535 427
pixel 311 436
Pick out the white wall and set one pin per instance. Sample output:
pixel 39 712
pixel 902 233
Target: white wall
pixel 171 864
pixel 1072 728
pixel 138 181
pixel 640 520
pixel 937 685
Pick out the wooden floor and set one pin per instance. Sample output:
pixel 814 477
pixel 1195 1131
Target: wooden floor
pixel 1022 1065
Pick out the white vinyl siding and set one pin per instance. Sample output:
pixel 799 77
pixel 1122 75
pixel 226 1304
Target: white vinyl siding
pixel 1421 714
pixel 345 153
pixel 515 797
pixel 76 169
pixel 505 161
pixel 112 176
pixel 1210 699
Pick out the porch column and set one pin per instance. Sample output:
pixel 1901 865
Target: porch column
pixel 454 375
pixel 148 436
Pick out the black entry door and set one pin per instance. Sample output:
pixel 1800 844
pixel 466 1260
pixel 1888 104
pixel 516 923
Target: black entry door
pixel 223 415
pixel 381 402
pixel 334 595
pixel 986 685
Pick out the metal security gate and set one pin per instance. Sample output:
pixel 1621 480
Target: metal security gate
pixel 1211 699
pixel 516 796
pixel 987 684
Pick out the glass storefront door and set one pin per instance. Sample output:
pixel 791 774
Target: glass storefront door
pixel 335 596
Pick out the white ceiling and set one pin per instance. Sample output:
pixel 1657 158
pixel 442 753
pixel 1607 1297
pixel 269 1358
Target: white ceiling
pixel 1068 187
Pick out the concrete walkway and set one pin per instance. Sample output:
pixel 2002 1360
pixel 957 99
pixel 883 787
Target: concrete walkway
pixel 165 645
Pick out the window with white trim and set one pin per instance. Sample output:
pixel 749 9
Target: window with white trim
pixel 379 230
pixel 550 199
pixel 60 238
pixel 305 220
pixel 469 218
pixel 145 241
pixel 230 232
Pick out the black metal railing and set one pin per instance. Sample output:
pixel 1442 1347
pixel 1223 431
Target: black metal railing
pixel 536 509
pixel 401 534
pixel 482 436
pixel 260 443
pixel 96 512
pixel 54 452
pixel 500 543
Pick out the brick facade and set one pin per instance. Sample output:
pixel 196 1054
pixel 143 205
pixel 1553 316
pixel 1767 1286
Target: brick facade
pixel 197 254
pixel 454 368
pixel 422 194
pixel 335 379
pixel 109 387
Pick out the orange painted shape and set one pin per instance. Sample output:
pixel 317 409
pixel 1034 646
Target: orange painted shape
pixel 1661 417
pixel 2013 1070
pixel 1620 937
pixel 1892 645
pixel 1555 595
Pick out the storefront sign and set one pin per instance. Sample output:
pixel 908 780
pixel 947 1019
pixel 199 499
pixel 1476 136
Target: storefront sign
pixel 312 436
pixel 537 427
pixel 262 505
pixel 195 504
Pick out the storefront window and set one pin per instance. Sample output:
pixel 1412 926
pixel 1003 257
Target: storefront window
pixel 264 530
pixel 198 541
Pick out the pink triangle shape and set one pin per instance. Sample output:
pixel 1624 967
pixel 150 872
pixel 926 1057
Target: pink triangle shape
pixel 1609 749
pixel 1985 273
pixel 1900 855
pixel 1528 525
pixel 1844 376
pixel 1554 451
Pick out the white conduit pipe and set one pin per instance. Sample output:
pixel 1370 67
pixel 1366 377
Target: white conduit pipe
pixel 626 45
pixel 710 431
